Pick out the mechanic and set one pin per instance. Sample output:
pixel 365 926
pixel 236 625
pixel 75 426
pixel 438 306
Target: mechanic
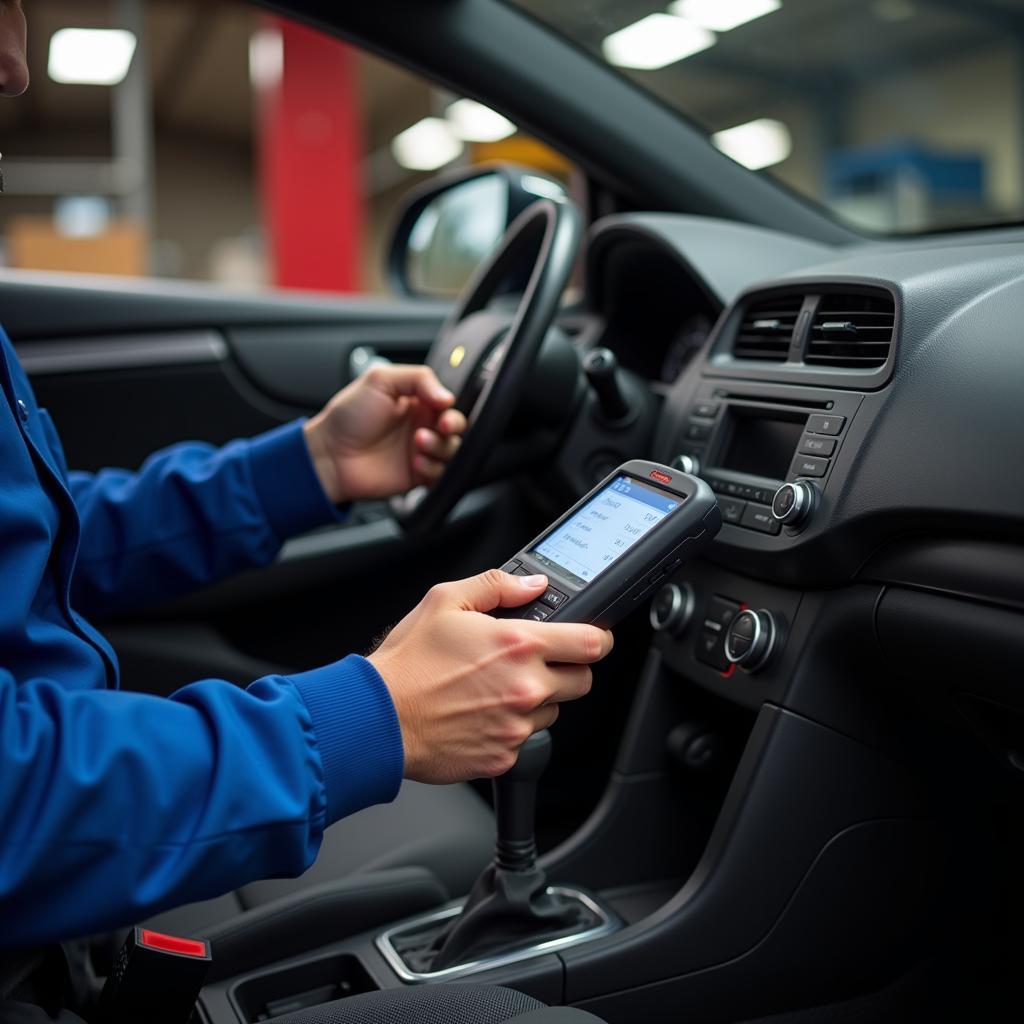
pixel 116 805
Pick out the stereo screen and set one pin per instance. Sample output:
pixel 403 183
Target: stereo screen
pixel 762 447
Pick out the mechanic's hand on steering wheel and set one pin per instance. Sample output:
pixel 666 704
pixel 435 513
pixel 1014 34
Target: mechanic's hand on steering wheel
pixel 390 430
pixel 470 689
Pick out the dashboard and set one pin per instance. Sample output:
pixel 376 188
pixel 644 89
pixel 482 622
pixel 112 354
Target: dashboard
pixel 883 385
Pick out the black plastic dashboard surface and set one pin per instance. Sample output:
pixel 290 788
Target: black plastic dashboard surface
pixel 934 451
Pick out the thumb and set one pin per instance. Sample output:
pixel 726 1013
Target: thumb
pixel 496 589
pixel 414 381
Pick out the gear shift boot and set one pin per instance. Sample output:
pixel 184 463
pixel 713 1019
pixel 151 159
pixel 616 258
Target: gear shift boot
pixel 411 948
pixel 506 910
pixel 511 911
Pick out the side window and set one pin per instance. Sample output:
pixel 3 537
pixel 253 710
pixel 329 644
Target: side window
pixel 215 142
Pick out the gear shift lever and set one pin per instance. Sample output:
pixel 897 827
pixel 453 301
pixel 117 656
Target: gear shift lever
pixel 515 805
pixel 510 903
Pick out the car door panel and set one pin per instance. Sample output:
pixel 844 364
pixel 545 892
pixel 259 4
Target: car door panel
pixel 304 365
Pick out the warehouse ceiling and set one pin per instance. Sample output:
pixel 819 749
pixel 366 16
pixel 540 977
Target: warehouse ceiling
pixel 199 71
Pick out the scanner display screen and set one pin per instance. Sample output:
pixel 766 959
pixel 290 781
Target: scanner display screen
pixel 605 528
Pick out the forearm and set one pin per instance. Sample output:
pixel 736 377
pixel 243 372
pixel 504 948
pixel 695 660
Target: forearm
pixel 192 515
pixel 114 806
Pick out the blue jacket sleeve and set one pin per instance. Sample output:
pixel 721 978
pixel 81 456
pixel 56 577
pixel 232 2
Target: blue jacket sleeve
pixel 192 515
pixel 114 806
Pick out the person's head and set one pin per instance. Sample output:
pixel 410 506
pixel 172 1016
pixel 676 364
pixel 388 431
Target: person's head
pixel 13 65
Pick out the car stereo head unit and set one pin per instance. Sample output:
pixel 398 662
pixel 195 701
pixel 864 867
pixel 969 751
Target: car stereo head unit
pixel 747 445
pixel 617 543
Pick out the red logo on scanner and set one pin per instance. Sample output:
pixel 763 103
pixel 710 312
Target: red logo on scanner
pixel 662 478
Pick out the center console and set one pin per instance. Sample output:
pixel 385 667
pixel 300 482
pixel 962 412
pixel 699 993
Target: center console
pixel 738 855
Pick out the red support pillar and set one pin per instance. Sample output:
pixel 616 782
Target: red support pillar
pixel 310 152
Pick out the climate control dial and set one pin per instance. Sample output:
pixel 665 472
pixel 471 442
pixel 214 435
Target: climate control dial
pixel 672 608
pixel 750 639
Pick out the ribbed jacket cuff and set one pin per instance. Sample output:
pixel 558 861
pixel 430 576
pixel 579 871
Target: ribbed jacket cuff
pixel 357 733
pixel 286 482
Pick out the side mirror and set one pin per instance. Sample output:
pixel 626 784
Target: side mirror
pixel 446 229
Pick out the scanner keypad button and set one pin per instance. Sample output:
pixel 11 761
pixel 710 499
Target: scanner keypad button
pixel 554 598
pixel 538 612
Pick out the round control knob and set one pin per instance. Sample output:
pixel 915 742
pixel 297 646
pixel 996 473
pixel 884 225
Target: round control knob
pixel 687 464
pixel 750 639
pixel 793 503
pixel 672 608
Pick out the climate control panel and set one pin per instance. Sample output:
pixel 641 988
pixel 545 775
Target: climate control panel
pixel 726 631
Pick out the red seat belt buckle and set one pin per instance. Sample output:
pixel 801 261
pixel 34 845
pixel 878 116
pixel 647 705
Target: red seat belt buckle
pixel 156 978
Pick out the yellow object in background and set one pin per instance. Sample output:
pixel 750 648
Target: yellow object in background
pixel 34 244
pixel 521 149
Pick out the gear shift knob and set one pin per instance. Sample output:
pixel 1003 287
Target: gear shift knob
pixel 515 805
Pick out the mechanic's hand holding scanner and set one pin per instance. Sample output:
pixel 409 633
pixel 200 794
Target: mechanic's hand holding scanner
pixel 468 689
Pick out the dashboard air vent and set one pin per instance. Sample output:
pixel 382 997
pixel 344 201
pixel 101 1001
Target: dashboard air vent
pixel 852 330
pixel 767 329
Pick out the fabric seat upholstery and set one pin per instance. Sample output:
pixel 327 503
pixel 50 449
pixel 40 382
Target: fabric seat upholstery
pixel 447 829
pixel 441 1004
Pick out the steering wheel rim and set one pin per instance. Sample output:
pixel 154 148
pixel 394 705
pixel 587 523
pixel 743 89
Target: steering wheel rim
pixel 484 357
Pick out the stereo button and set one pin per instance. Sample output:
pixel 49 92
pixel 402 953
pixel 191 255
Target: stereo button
pixel 698 431
pixel 808 465
pixel 760 518
pixel 824 424
pixel 731 509
pixel 706 410
pixel 811 445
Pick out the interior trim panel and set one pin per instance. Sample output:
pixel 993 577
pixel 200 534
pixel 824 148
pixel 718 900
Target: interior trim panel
pixel 131 352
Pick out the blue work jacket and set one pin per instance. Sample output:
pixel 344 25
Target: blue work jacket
pixel 116 805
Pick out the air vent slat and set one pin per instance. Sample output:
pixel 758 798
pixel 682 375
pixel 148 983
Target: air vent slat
pixel 854 330
pixel 766 329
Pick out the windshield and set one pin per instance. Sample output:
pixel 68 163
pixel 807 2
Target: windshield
pixel 897 115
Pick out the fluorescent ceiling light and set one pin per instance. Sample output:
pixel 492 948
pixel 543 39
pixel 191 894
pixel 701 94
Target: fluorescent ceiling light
pixel 91 56
pixel 723 15
pixel 81 216
pixel 655 42
pixel 427 145
pixel 266 58
pixel 756 144
pixel 474 122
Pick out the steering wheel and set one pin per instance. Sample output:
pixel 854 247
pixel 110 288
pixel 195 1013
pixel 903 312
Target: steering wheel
pixel 484 356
